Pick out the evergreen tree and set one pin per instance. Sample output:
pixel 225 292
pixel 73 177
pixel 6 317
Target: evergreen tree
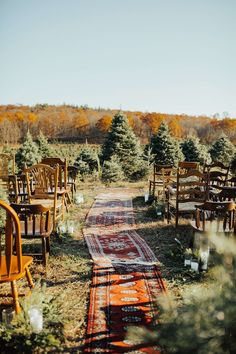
pixel 112 171
pixel 222 150
pixel 87 161
pixel 165 148
pixel 28 153
pixel 233 164
pixel 193 150
pixel 122 142
pixel 44 148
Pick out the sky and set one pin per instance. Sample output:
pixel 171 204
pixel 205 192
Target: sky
pixel 169 56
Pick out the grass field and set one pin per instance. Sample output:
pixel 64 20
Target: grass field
pixel 68 274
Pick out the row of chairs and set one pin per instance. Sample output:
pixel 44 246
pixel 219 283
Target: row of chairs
pixel 218 174
pixel 187 187
pixel 41 192
pixel 38 197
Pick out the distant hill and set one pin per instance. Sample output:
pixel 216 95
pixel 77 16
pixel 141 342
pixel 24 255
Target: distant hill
pixel 82 123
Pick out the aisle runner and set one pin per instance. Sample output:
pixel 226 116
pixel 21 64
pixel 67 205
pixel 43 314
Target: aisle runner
pixel 126 281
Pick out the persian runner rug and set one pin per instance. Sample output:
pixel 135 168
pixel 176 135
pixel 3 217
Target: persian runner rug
pixel 126 281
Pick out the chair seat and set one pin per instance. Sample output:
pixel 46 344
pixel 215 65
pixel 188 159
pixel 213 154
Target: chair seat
pixel 211 226
pixel 47 203
pixel 26 261
pixel 187 206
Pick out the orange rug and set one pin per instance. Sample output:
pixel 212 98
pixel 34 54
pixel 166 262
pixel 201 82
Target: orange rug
pixel 126 282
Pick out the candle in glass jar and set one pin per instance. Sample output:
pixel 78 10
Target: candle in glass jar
pixel 36 319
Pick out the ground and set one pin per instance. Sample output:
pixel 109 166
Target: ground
pixel 68 274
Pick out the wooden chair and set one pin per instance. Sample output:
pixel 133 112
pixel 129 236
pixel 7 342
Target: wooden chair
pixel 217 172
pixel 191 190
pixel 231 181
pixel 13 266
pixel 7 168
pixel 42 185
pixel 7 164
pixel 63 189
pixel 35 223
pixel 157 179
pixel 223 193
pixel 17 188
pixel 71 179
pixel 215 217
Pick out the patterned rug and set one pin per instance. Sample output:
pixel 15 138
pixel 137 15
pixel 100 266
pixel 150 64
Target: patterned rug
pixel 126 282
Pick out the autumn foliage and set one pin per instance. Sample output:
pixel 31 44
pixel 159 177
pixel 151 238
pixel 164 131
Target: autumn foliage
pixel 80 124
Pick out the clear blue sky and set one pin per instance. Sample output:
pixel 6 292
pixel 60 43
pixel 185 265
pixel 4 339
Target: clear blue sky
pixel 173 56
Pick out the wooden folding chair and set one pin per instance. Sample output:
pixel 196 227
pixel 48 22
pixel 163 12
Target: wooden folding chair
pixel 13 266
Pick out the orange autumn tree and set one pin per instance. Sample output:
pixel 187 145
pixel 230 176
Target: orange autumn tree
pixel 175 127
pixel 153 121
pixel 81 122
pixel 104 123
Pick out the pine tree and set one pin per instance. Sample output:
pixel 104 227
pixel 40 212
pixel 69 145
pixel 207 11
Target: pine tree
pixel 165 148
pixel 44 148
pixel 222 150
pixel 112 171
pixel 87 161
pixel 193 150
pixel 122 142
pixel 28 153
pixel 233 164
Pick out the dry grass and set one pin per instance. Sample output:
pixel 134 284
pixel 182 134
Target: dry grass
pixel 68 274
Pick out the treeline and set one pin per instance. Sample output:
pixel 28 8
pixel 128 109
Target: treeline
pixel 82 123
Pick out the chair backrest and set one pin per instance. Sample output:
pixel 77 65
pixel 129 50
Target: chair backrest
pixel 161 175
pixel 35 219
pixel 188 165
pixel 158 171
pixel 226 194
pixel 12 247
pixel 169 177
pixel 42 181
pixel 63 169
pixel 192 186
pixel 215 216
pixel 218 173
pixel 231 181
pixel 17 188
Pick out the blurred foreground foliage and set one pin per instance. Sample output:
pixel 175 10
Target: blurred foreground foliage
pixel 205 323
pixel 19 337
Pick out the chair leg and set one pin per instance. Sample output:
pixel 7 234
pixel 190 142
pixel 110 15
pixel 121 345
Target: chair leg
pixel 15 296
pixel 48 245
pixel 44 251
pixel 176 219
pixel 29 278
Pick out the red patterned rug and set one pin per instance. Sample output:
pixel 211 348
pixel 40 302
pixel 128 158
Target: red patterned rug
pixel 126 281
